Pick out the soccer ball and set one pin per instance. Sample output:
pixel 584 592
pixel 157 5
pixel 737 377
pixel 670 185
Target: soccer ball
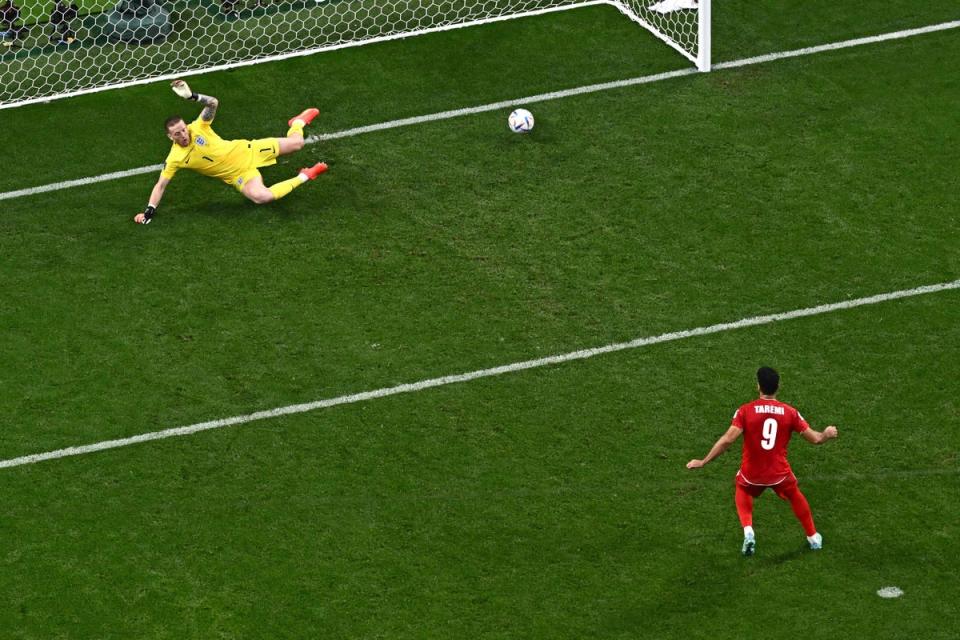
pixel 520 121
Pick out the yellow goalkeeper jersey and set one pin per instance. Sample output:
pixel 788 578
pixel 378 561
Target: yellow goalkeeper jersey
pixel 211 155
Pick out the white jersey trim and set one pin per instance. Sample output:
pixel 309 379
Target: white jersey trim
pixel 757 484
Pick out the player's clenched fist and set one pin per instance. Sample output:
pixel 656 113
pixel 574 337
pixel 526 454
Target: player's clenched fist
pixel 146 216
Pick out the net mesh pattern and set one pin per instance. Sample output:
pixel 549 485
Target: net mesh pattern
pixel 54 49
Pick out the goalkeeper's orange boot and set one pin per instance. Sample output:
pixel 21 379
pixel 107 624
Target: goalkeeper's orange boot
pixel 314 171
pixel 307 116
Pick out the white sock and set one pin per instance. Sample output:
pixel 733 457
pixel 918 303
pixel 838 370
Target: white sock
pixel 748 531
pixel 303 177
pixel 813 538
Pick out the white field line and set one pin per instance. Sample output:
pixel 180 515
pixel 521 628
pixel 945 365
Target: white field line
pixel 543 97
pixel 482 373
pixel 846 44
pixel 80 182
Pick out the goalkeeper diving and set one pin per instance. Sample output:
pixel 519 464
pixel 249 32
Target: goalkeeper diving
pixel 196 146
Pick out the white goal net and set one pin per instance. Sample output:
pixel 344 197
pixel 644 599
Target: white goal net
pixel 58 48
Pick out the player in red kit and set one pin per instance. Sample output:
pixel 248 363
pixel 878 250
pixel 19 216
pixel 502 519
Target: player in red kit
pixel 766 425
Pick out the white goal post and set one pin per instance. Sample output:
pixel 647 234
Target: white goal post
pixel 59 48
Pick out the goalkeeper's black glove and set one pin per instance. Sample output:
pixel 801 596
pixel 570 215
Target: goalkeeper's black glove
pixel 148 214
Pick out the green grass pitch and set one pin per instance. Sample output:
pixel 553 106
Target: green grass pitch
pixel 551 503
pixel 34 11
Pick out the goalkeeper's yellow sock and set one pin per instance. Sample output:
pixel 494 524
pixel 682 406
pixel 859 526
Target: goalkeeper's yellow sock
pixel 296 128
pixel 283 188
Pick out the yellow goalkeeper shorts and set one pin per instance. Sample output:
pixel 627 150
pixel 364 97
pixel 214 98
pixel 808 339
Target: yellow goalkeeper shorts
pixel 263 152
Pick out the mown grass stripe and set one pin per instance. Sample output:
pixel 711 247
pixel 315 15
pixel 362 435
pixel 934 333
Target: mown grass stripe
pixel 482 373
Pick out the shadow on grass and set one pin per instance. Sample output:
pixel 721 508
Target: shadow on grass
pixel 788 556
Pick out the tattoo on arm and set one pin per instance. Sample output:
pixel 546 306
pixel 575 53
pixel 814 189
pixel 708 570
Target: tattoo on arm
pixel 209 107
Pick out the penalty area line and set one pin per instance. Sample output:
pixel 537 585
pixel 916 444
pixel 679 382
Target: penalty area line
pixel 543 97
pixel 482 373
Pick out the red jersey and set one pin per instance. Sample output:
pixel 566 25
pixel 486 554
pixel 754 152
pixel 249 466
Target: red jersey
pixel 767 426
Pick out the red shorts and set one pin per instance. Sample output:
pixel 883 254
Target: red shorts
pixel 783 489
